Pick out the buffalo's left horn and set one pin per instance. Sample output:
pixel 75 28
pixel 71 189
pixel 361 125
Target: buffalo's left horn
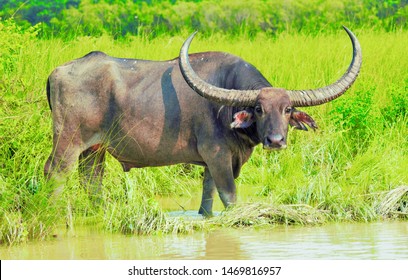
pixel 227 97
pixel 312 97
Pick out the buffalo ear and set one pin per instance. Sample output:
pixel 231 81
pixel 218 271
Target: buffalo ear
pixel 242 119
pixel 298 119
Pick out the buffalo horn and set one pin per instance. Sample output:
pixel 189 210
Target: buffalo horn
pixel 299 98
pixel 227 97
pixel 304 98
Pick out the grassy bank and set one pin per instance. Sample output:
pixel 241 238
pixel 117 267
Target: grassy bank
pixel 344 171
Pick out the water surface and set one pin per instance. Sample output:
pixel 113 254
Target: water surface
pixel 383 240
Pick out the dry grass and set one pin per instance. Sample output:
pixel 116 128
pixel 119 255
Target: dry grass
pixel 260 214
pixel 395 203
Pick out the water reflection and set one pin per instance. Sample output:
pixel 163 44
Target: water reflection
pixel 340 241
pixel 386 240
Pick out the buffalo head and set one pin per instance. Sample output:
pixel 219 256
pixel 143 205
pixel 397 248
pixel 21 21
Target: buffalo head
pixel 272 113
pixel 272 109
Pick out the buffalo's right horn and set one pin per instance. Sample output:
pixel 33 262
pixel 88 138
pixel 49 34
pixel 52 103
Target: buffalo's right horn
pixel 228 97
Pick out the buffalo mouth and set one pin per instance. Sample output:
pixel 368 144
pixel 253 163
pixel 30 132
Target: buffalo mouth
pixel 274 147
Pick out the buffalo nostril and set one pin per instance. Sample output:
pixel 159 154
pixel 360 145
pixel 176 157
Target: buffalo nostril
pixel 275 140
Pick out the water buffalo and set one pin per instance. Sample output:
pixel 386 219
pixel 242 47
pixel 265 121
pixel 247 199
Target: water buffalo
pixel 209 109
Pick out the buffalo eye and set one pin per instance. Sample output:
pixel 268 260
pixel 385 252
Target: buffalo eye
pixel 288 110
pixel 258 109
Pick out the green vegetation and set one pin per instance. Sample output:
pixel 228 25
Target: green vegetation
pixel 353 168
pixel 154 17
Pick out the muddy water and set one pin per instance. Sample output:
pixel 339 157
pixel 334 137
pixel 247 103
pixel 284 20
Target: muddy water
pixel 385 240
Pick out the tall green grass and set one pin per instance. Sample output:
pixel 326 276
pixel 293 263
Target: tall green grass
pixel 342 171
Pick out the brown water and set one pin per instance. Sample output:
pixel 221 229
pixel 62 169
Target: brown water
pixel 384 240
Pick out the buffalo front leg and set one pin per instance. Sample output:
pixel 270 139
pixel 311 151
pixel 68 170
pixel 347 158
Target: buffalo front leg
pixel 222 174
pixel 91 168
pixel 208 194
pixel 58 165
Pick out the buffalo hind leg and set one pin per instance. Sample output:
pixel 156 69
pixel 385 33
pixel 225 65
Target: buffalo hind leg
pixel 208 194
pixel 91 169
